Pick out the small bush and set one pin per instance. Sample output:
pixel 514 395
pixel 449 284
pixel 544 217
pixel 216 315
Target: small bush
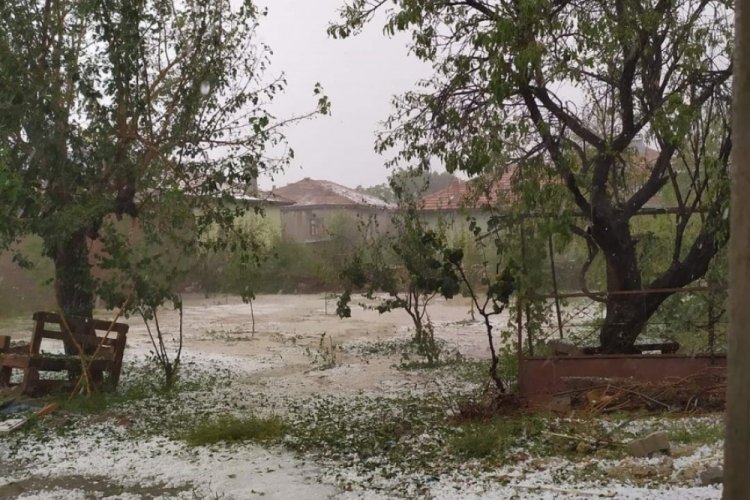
pixel 491 439
pixel 232 429
pixel 478 441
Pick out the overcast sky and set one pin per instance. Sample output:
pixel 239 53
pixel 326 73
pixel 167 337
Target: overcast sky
pixel 359 75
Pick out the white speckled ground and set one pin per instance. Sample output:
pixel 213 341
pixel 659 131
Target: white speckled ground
pixel 275 365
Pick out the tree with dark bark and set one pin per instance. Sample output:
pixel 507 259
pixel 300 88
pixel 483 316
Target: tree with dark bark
pixel 571 91
pixel 153 111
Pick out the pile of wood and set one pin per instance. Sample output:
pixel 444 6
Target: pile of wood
pixel 704 391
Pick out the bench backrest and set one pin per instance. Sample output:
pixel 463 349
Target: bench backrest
pixel 87 332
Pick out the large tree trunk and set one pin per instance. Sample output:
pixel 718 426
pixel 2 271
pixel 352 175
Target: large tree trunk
pixel 628 313
pixel 74 288
pixel 627 316
pixel 737 445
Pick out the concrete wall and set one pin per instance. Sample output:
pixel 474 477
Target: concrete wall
pixel 314 224
pixel 267 225
pixel 539 379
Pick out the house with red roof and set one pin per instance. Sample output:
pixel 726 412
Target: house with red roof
pixel 452 205
pixel 320 206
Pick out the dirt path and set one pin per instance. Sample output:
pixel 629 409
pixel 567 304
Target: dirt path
pixel 288 338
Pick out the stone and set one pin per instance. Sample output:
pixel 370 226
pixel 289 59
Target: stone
pixel 633 471
pixel 712 475
pixel 559 404
pixel 560 347
pixel 656 442
pixel 689 473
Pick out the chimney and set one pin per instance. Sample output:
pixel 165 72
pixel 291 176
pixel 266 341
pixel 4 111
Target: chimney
pixel 638 144
pixel 252 187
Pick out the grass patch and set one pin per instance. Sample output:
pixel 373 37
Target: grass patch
pixel 230 429
pixel 411 353
pixel 475 441
pixel 492 439
pixel 371 432
pixel 141 381
pixel 697 433
pixel 473 371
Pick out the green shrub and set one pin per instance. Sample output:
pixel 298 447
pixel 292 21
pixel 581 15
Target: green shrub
pixel 231 429
pixel 491 439
pixel 478 441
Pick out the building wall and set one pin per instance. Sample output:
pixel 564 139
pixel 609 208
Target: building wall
pixel 454 221
pixel 313 224
pixel 267 225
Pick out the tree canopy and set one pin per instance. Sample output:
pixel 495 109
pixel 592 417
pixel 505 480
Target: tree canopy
pixel 152 110
pixel 423 182
pixel 565 91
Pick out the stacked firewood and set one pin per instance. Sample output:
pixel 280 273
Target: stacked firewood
pixel 703 391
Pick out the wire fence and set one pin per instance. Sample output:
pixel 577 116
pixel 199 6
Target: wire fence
pixel 691 319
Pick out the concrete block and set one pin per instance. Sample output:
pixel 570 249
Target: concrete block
pixel 656 442
pixel 712 475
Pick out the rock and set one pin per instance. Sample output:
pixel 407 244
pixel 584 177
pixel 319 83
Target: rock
pixel 631 471
pixel 712 475
pixel 518 456
pixel 656 442
pixel 124 421
pixel 689 473
pixel 559 347
pixel 559 404
pixel 539 463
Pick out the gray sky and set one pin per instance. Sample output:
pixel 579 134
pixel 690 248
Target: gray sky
pixel 359 75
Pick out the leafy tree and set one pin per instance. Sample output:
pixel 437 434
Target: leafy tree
pixel 406 263
pixel 152 111
pixel 413 263
pixel 490 300
pixel 424 182
pixel 563 90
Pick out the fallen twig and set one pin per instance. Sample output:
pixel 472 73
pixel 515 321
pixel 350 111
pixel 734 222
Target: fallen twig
pixel 586 439
pixel 533 487
pixel 644 396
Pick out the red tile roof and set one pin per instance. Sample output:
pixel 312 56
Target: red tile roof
pixel 460 194
pixel 312 192
pixel 471 195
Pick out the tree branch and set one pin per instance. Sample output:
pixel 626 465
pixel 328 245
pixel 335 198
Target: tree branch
pixel 554 150
pixel 570 121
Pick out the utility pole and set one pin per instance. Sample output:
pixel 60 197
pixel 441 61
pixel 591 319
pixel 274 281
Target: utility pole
pixel 737 444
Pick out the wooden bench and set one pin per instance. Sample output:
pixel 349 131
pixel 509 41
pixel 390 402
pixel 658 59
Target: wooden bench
pixel 102 355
